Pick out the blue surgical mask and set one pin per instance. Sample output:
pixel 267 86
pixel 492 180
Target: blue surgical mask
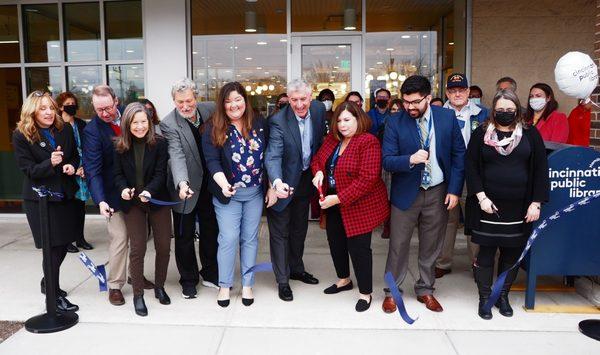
pixel 476 100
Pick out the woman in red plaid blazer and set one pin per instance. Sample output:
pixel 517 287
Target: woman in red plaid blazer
pixel 347 170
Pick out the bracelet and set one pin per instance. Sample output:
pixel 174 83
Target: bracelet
pixel 483 199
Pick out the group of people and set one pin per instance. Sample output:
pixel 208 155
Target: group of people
pixel 223 164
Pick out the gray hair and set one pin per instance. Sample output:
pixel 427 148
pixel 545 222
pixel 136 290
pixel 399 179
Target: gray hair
pixel 103 90
pixel 183 85
pixel 298 85
pixel 506 79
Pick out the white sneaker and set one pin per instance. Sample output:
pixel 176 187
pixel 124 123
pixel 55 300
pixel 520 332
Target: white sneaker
pixel 209 284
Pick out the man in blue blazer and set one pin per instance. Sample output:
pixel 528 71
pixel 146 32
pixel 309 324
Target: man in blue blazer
pixel 424 150
pixel 98 166
pixel 469 116
pixel 296 133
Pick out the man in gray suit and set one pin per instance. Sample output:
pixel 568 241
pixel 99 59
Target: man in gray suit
pixel 296 133
pixel 187 181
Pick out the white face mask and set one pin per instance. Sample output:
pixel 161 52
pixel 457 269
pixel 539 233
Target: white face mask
pixel 537 103
pixel 328 105
pixel 475 100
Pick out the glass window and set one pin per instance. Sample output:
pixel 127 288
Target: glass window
pixel 40 27
pixel 330 15
pixel 123 21
pixel 238 16
pixel 9 35
pixel 82 31
pixel 127 81
pixel 45 79
pixel 11 179
pixel 81 81
pixel 257 61
pixel 327 67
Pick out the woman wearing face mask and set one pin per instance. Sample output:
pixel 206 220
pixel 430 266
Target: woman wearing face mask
pixel 67 105
pixel 347 168
pixel 327 98
pixel 141 174
pixel 234 141
pixel 542 112
pixel 46 153
pixel 507 180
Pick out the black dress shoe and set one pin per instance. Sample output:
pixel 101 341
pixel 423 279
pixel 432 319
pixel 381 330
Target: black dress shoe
pixel 333 289
pixel 247 301
pixel 83 244
pixel 162 296
pixel 223 303
pixel 140 306
pixel 285 293
pixel 363 305
pixel 60 292
pixel 305 277
pixel 63 305
pixel 72 249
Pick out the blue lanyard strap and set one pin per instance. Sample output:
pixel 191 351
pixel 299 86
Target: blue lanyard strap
pixel 425 143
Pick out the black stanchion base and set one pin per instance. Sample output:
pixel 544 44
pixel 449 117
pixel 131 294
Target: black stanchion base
pixel 591 328
pixel 44 323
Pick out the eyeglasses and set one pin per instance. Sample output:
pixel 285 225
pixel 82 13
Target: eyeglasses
pixel 455 91
pixel 108 110
pixel 509 110
pixel 37 93
pixel 414 102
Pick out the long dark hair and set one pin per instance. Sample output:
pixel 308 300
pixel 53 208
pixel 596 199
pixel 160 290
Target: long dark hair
pixel 123 143
pixel 510 96
pixel 220 120
pixel 551 105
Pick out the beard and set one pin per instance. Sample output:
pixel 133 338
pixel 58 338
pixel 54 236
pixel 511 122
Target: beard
pixel 416 113
pixel 189 115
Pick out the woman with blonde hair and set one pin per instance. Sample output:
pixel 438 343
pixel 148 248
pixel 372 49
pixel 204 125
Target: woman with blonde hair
pixel 46 153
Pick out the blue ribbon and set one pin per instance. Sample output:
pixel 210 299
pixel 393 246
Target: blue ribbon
pixel 397 296
pixel 497 287
pixel 98 272
pixel 164 203
pixel 42 191
pixel 260 268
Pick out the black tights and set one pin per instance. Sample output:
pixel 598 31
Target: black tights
pixel 58 254
pixel 508 256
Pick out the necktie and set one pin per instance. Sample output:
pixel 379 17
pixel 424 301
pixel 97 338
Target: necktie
pixel 426 173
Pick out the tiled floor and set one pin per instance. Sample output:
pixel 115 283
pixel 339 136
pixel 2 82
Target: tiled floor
pixel 313 323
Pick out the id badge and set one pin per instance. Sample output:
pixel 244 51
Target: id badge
pixel 425 176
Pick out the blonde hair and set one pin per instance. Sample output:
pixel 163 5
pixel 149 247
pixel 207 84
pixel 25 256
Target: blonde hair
pixel 27 124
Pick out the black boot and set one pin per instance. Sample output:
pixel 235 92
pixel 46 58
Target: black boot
pixel 83 244
pixel 140 306
pixel 502 303
pixel 161 294
pixel 483 277
pixel 63 305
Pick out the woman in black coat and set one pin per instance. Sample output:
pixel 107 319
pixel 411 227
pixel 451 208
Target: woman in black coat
pixel 47 155
pixel 141 174
pixel 507 180
pixel 67 105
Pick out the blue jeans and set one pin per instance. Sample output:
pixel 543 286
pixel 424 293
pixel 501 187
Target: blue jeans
pixel 238 225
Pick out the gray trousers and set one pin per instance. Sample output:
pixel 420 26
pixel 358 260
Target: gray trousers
pixel 444 261
pixel 430 215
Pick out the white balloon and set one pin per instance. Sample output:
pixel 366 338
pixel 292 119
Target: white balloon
pixel 576 75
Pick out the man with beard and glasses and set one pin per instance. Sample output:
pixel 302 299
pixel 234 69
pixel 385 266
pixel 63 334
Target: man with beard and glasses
pixel 187 180
pixel 424 150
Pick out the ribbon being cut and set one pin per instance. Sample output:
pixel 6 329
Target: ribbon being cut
pixel 98 272
pixel 535 234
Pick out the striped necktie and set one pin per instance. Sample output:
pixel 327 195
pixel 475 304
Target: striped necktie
pixel 426 173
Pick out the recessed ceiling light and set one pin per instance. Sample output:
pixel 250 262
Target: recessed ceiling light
pixel 424 36
pixel 248 58
pixel 405 36
pixel 283 40
pixel 379 63
pixel 258 68
pixel 261 43
pixel 130 51
pixel 389 49
pixel 342 46
pixel 194 53
pixel 450 43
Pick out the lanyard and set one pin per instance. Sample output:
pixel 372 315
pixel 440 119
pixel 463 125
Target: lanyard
pixel 334 158
pixel 425 143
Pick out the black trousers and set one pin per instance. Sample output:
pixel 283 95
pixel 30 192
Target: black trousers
pixel 185 254
pixel 359 248
pixel 57 254
pixel 287 232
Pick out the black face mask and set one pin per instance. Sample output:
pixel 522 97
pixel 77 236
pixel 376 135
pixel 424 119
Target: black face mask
pixel 505 119
pixel 382 103
pixel 70 109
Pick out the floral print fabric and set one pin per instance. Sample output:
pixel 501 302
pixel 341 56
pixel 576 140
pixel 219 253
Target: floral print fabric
pixel 246 159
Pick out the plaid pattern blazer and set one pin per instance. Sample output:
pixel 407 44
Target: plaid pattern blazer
pixel 363 197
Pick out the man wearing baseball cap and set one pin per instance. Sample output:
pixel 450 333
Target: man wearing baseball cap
pixel 469 116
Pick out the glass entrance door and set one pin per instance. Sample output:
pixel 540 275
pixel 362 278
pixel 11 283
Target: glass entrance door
pixel 332 62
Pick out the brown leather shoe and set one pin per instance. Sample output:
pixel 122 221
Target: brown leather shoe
pixel 441 272
pixel 148 285
pixel 430 302
pixel 115 297
pixel 389 306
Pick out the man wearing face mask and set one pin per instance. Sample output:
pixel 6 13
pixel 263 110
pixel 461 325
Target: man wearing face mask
pixel 380 112
pixel 470 116
pixel 476 95
pixel 327 97
pixel 186 180
pixel 424 150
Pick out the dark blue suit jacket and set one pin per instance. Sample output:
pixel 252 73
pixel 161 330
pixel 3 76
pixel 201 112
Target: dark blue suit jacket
pixel 99 150
pixel 283 159
pixel 401 140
